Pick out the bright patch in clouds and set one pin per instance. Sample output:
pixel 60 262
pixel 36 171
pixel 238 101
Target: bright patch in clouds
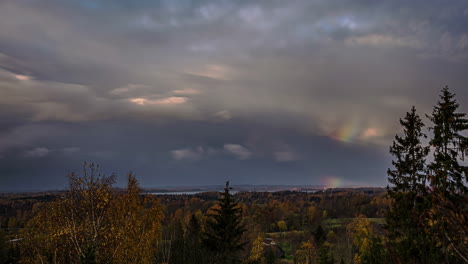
pixel 140 101
pixel 128 88
pixel 346 133
pixel 42 151
pixel 223 115
pixel 237 150
pixel 187 154
pixel 214 71
pixel 22 77
pixel 353 130
pixel 173 100
pixel 187 91
pixel 370 132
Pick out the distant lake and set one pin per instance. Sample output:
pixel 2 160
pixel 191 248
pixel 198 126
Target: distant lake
pixel 231 192
pixel 186 192
pixel 175 193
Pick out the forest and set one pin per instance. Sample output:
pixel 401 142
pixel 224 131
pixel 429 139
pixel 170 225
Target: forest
pixel 421 217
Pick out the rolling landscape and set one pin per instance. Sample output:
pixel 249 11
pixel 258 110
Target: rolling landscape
pixel 233 132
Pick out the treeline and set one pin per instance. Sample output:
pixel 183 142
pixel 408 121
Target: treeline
pixel 301 210
pixel 17 209
pixel 300 224
pixel 293 220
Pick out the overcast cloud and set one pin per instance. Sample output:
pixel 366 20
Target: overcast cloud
pixel 197 92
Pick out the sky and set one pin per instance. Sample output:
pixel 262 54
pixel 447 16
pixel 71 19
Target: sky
pixel 180 92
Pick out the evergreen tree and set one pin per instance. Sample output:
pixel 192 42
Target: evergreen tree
pixel 448 217
pixel 409 174
pixel 223 236
pixel 428 215
pixel 186 242
pixel 409 204
pixel 319 235
pixel 193 241
pixel 449 145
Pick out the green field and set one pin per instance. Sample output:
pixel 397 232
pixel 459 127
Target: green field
pixel 343 222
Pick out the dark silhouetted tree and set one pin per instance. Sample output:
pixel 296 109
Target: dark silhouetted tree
pixel 409 173
pixel 409 204
pixel 193 241
pixel 319 235
pixel 449 145
pixel 223 237
pixel 449 177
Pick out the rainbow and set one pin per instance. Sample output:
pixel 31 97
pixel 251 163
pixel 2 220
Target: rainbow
pixel 332 182
pixel 347 133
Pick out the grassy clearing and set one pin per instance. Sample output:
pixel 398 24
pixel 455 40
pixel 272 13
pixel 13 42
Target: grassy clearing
pixel 284 234
pixel 343 222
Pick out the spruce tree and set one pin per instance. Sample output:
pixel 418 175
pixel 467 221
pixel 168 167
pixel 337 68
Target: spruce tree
pixel 193 238
pixel 448 216
pixel 408 178
pixel 223 237
pixel 409 173
pixel 186 247
pixel 449 145
pixel 319 235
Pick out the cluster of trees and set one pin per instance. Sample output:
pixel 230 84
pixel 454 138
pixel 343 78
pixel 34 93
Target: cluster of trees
pixel 186 224
pixel 299 222
pixel 93 223
pixel 96 223
pixel 285 210
pixel 217 237
pixel 427 220
pixel 18 208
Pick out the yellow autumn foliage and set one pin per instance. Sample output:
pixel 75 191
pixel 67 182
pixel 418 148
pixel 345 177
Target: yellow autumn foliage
pixel 93 221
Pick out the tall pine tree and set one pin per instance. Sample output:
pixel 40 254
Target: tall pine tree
pixel 449 145
pixel 449 213
pixel 405 219
pixel 223 237
pixel 409 173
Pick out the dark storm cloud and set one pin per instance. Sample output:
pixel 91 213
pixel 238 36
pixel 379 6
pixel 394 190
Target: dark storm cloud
pixel 240 150
pixel 251 90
